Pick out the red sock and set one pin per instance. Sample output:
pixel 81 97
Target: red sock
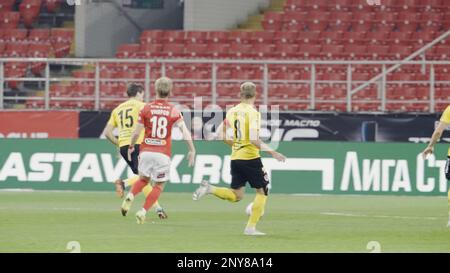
pixel 152 197
pixel 138 186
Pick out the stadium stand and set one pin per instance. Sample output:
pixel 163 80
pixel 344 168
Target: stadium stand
pixel 291 30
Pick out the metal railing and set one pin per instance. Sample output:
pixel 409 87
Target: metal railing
pixel 266 82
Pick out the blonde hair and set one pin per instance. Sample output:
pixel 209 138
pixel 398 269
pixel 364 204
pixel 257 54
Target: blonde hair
pixel 163 86
pixel 248 90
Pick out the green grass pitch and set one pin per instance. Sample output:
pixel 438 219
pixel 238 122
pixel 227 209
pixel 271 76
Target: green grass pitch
pixel 47 221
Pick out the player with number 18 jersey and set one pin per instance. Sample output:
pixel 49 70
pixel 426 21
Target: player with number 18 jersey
pixel 158 118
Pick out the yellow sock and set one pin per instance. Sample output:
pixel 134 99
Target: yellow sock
pixel 147 190
pixel 224 193
pixel 131 181
pixel 258 207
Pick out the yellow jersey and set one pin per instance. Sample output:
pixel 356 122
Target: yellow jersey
pixel 446 115
pixel 125 117
pixel 244 118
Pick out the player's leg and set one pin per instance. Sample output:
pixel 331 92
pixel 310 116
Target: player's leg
pixel 149 201
pixel 159 173
pixel 259 204
pixel 135 190
pixel 235 194
pixel 120 184
pixel 258 179
pixel 447 175
pixel 145 169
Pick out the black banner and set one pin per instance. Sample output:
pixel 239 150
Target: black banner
pixel 307 126
pixel 357 127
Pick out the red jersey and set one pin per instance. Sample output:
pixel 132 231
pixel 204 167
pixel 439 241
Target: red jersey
pixel 158 117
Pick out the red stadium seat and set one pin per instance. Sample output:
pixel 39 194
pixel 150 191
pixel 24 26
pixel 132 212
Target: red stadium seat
pixel 287 37
pixel 38 51
pixel 196 36
pixel 240 37
pixel 61 39
pixel 377 36
pixel 355 37
pixel 400 51
pixel 356 50
pixel 332 51
pixel 174 50
pixel 400 37
pixel 52 5
pixel 287 50
pixel 378 51
pixel 60 90
pixel 265 37
pixel 39 35
pixel 6 5
pixel 217 37
pixel 14 35
pixel 240 50
pixel 15 70
pixel 127 51
pixel 9 19
pixel 152 36
pixel 312 51
pixel 61 35
pixel 196 50
pixel 218 50
pixel 174 36
pixel 29 11
pixel 16 50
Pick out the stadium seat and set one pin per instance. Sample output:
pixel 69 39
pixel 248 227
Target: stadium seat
pixel 196 36
pixel 152 36
pixel 61 39
pixel 265 37
pixel 218 50
pixel 128 51
pixel 149 50
pixel 196 50
pixel 29 11
pixel 9 19
pixel 38 51
pixel 217 37
pixel 52 5
pixel 38 35
pixel 16 49
pixel 15 70
pixel 6 5
pixel 174 36
pixel 285 37
pixel 174 50
pixel 14 35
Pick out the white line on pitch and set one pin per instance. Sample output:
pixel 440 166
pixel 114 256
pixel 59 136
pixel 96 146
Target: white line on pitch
pixel 378 216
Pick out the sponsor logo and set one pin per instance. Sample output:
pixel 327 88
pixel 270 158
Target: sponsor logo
pixel 153 141
pixel 354 173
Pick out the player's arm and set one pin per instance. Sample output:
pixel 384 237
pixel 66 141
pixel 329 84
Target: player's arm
pixel 255 124
pixel 108 132
pixel 134 137
pixel 188 138
pixel 435 138
pixel 264 147
pixel 222 133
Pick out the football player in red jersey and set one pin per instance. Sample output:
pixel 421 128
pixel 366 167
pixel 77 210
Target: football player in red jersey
pixel 157 118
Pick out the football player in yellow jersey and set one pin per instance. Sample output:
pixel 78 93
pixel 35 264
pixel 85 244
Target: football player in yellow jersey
pixel 443 124
pixel 125 117
pixel 246 165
